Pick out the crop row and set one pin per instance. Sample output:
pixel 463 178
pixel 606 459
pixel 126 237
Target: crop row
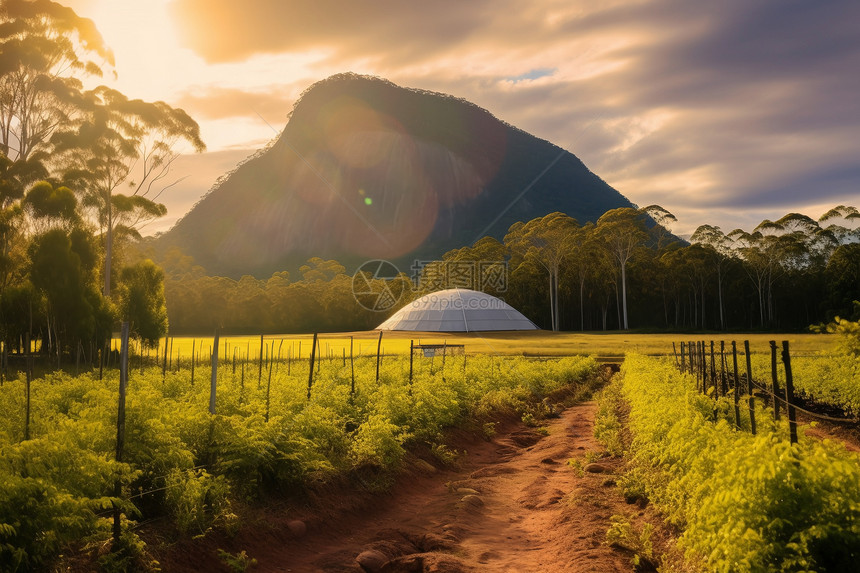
pixel 743 502
pixel 268 435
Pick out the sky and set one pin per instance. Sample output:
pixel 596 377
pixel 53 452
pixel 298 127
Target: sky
pixel 724 113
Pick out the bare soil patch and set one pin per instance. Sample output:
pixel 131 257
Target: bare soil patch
pixel 514 504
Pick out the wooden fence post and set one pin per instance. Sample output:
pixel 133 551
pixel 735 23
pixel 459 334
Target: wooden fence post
pixel 120 430
pixel 214 382
pixel 789 393
pixel 378 348
pixel 713 370
pixel 683 357
pixel 411 351
pixel 103 354
pixel 268 391
pixel 164 362
pixel 260 369
pixel 311 369
pixel 750 390
pixel 694 357
pixel 737 386
pixel 351 368
pixel 28 360
pixel 193 360
pixel 774 380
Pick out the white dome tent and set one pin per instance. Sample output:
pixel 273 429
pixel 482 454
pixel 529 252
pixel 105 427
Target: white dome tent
pixel 457 310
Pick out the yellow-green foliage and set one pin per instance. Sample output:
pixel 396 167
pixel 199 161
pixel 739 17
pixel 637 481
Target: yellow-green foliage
pixel 832 379
pixel 607 426
pixel 181 461
pixel 745 503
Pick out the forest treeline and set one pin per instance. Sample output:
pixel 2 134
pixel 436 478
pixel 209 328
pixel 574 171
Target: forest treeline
pixel 625 271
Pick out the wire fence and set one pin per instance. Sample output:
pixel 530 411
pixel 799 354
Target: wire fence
pixel 710 365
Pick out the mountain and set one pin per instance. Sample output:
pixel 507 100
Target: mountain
pixel 366 169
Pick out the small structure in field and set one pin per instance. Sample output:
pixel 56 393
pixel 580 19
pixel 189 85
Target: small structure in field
pixel 457 310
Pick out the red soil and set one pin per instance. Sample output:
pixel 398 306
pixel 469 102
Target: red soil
pixel 514 505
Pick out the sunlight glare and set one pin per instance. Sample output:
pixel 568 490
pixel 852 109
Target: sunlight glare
pixel 149 60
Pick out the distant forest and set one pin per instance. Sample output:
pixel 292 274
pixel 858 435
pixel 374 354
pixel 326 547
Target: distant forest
pixel 782 275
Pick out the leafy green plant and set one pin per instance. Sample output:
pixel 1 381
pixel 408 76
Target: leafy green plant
pixel 239 563
pixel 196 499
pixel 378 442
pixel 577 466
pixel 607 426
pixel 744 502
pixel 445 454
pixel 622 533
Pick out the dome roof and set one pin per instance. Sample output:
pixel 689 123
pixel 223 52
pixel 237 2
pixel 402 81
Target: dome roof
pixel 457 310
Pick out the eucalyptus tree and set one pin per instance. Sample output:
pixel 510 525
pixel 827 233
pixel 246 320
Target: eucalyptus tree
pixel 46 49
pixel 712 237
pixel 622 230
pixel 842 281
pixel 758 252
pixel 118 144
pixel 584 260
pixel 546 241
pixel 662 220
pixel 844 223
pixel 792 244
pixel 96 141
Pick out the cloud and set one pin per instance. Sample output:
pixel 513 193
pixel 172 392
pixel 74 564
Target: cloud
pixel 717 108
pixel 532 75
pixel 213 102
pixel 222 30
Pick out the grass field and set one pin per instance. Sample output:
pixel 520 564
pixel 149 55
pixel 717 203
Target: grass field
pixel 534 343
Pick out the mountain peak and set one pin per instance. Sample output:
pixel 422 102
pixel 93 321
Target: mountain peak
pixel 367 169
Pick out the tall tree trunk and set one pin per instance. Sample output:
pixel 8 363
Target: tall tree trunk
pixel 695 308
pixel 665 304
pixel 108 249
pixel 551 308
pixel 624 293
pixel 720 296
pixel 581 304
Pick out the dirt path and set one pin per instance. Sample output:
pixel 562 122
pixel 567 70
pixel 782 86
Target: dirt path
pixel 514 506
